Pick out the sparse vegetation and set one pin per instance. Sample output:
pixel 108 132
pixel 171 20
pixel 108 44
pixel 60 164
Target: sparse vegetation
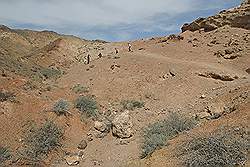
pixel 132 104
pixel 80 89
pixel 87 106
pixel 40 141
pixel 61 107
pixel 4 154
pixel 225 147
pixel 4 96
pixel 157 134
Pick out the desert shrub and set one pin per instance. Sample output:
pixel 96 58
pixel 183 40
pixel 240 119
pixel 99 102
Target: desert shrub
pixel 80 89
pixel 40 141
pixel 4 96
pixel 155 136
pixel 132 104
pixel 50 73
pixel 61 107
pixel 4 154
pixel 226 147
pixel 86 105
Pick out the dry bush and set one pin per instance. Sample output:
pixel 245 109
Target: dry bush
pixel 226 147
pixel 61 107
pixel 132 104
pixel 4 155
pixel 39 142
pixel 87 106
pixel 156 135
pixel 78 89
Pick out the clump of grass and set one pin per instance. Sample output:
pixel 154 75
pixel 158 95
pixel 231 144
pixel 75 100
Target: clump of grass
pixel 80 89
pixel 155 136
pixel 4 154
pixel 61 107
pixel 41 141
pixel 5 96
pixel 132 104
pixel 225 147
pixel 87 106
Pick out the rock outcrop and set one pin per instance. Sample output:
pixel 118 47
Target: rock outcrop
pixel 236 17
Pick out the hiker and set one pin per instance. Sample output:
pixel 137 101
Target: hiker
pixel 129 47
pixel 116 51
pixel 88 59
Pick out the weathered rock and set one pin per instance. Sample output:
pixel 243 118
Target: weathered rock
pixel 231 56
pixel 215 108
pixel 203 115
pixel 248 70
pixel 90 137
pixel 122 125
pixel 237 17
pixel 203 96
pixel 218 76
pixel 172 72
pixel 82 145
pixel 100 126
pixel 72 160
pixel 230 51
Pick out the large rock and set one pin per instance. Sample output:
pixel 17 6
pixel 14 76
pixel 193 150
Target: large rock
pixel 72 160
pixel 236 17
pixel 122 125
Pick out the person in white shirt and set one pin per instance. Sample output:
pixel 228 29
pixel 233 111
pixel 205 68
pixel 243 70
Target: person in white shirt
pixel 129 47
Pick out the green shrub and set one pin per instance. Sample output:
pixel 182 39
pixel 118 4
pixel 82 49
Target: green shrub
pixel 4 154
pixel 49 73
pixel 132 104
pixel 5 96
pixel 40 141
pixel 86 105
pixel 156 135
pixel 80 89
pixel 61 107
pixel 225 147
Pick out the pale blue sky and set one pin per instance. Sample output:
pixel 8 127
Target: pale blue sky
pixel 111 20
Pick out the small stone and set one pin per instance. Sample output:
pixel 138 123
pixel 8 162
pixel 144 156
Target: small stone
pixel 124 142
pixel 82 145
pixel 172 72
pixel 229 51
pixel 203 96
pixel 90 137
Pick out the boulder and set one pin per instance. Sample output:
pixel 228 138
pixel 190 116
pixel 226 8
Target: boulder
pixel 203 115
pixel 122 125
pixel 100 126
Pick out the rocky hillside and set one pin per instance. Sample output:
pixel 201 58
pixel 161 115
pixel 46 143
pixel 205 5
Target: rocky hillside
pixel 26 52
pixel 173 101
pixel 236 17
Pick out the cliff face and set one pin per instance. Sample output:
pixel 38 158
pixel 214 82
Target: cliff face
pixel 236 17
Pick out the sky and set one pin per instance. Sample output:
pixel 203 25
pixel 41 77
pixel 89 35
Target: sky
pixel 110 20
